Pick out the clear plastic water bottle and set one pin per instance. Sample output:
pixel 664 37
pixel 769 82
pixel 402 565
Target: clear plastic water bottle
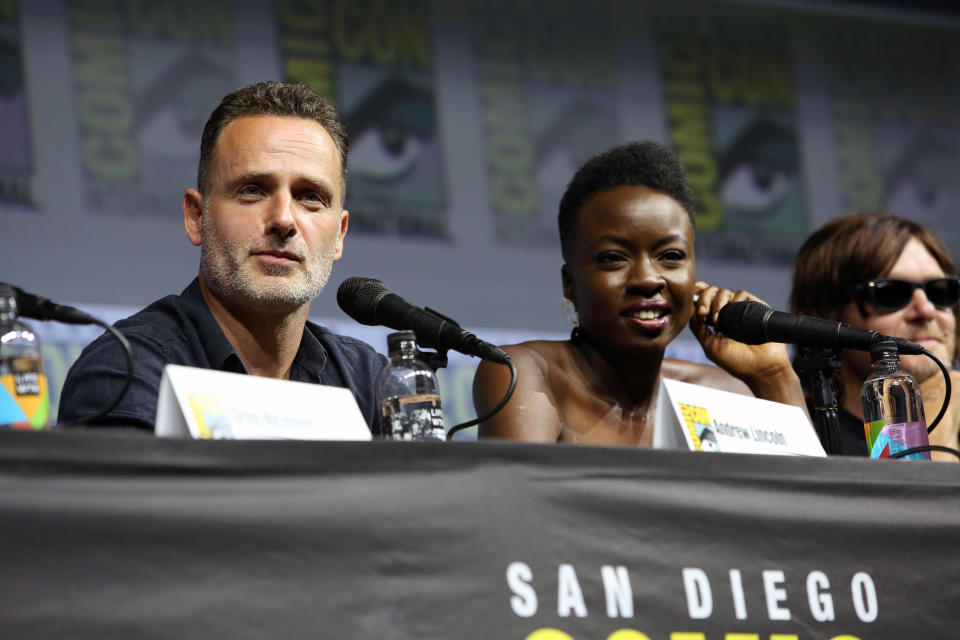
pixel 408 393
pixel 24 397
pixel 892 407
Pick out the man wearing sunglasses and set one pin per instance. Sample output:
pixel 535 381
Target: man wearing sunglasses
pixel 880 272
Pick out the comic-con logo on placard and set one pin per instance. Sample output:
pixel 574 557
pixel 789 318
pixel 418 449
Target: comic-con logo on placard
pixel 700 427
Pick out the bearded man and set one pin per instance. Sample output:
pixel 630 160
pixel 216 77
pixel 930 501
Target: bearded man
pixel 268 217
pixel 884 273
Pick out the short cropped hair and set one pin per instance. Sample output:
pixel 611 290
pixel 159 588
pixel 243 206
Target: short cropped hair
pixel 853 249
pixel 636 164
pixel 273 98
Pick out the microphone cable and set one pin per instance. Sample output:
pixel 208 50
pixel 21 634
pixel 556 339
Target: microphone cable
pixel 39 308
pixel 948 389
pixel 921 449
pixel 500 405
pixel 127 379
pixel 747 322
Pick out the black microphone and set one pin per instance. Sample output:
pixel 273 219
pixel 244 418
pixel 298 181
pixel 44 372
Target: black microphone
pixel 40 308
pixel 370 302
pixel 756 323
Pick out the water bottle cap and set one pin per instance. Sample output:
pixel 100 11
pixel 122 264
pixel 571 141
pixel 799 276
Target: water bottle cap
pixel 395 339
pixel 883 349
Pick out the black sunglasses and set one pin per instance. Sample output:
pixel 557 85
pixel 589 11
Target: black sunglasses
pixel 890 294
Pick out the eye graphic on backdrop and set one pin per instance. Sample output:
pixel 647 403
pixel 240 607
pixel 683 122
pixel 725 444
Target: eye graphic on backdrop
pixel 917 181
pixel 189 89
pixel 389 128
pixel 385 152
pixel 758 168
pixel 577 132
pixel 754 187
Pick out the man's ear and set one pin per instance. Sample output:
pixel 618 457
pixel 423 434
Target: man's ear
pixel 193 216
pixel 568 289
pixel 344 220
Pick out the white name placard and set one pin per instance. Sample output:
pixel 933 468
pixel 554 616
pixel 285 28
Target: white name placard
pixel 202 403
pixel 700 418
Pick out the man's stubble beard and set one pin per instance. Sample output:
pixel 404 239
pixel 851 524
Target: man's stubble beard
pixel 922 367
pixel 227 270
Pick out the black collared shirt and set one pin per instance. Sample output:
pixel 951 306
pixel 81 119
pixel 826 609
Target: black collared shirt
pixel 853 438
pixel 181 330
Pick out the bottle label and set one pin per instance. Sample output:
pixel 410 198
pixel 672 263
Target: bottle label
pixel 24 398
pixel 884 440
pixel 417 417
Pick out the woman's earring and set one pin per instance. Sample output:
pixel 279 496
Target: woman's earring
pixel 577 336
pixel 570 311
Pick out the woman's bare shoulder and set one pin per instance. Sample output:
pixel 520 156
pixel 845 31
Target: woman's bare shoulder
pixel 542 365
pixel 536 362
pixel 543 352
pixel 703 374
pixel 532 413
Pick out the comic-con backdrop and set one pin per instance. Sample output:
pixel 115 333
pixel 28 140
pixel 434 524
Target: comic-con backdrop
pixel 467 120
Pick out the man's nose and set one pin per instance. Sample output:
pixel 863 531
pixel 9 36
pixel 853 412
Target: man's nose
pixel 280 218
pixel 920 306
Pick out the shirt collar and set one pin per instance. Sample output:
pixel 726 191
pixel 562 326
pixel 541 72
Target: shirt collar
pixel 307 364
pixel 311 357
pixel 219 351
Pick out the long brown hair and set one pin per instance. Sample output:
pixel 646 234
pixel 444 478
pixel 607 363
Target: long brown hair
pixel 853 249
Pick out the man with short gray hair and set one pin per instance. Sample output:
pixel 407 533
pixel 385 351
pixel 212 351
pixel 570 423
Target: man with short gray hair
pixel 268 217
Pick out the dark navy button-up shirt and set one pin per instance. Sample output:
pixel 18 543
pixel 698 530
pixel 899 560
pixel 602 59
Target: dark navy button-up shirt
pixel 182 330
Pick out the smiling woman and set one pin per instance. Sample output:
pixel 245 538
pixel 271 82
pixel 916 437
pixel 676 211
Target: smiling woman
pixel 627 237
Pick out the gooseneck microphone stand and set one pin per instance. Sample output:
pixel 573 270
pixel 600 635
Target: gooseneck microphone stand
pixel 816 370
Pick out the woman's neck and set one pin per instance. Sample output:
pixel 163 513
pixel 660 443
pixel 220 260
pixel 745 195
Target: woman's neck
pixel 631 383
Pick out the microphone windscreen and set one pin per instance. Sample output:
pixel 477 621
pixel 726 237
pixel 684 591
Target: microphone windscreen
pixel 358 297
pixel 744 321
